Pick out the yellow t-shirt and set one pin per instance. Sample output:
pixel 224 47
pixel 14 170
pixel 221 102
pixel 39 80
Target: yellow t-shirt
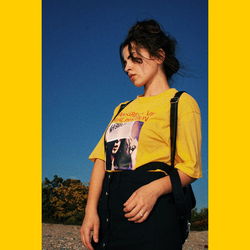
pixel 141 134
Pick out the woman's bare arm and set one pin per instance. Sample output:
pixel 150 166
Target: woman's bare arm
pixel 95 185
pixel 91 223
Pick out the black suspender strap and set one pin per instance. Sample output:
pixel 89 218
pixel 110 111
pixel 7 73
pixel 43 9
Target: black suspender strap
pixel 184 198
pixel 119 111
pixel 121 108
pixel 173 173
pixel 173 123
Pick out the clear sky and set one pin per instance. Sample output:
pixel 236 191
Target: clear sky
pixel 83 80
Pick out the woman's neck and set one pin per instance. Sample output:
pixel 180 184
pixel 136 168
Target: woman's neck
pixel 156 86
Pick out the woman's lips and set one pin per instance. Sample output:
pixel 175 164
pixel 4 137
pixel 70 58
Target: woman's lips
pixel 132 76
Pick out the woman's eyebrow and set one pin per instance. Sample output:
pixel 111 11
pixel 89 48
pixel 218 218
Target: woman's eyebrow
pixel 124 60
pixel 131 54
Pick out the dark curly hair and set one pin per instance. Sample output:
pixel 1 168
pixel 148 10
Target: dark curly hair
pixel 148 34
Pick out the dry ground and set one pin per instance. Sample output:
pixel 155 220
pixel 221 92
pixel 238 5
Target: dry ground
pixel 66 237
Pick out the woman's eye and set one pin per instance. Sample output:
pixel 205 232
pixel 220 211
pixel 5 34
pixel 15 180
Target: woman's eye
pixel 137 60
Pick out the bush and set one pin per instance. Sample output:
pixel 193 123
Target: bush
pixel 71 221
pixel 199 220
pixel 63 201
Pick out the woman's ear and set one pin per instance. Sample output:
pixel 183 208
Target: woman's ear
pixel 160 59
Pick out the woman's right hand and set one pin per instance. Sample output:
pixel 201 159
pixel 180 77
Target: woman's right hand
pixel 90 225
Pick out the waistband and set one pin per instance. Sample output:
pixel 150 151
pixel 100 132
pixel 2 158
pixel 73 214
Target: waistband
pixel 149 167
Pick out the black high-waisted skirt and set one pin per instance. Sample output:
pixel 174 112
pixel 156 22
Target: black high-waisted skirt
pixel 160 231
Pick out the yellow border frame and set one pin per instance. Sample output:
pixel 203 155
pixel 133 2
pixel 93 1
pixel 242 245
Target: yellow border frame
pixel 20 103
pixel 228 124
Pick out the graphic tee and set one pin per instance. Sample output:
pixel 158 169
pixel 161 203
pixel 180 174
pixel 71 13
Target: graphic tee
pixel 141 134
pixel 121 145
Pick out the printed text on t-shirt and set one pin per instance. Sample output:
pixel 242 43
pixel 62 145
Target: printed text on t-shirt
pixel 132 116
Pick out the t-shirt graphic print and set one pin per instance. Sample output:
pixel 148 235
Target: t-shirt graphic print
pixel 121 145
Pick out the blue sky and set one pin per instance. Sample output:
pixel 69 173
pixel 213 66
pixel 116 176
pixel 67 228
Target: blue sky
pixel 83 80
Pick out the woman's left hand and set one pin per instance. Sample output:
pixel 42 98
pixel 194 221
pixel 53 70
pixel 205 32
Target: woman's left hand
pixel 139 205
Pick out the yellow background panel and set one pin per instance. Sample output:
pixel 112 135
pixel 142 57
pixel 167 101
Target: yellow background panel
pixel 228 125
pixel 20 133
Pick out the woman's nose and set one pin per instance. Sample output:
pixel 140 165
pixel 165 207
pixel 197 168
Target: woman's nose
pixel 127 67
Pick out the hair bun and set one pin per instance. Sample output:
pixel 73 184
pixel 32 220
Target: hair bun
pixel 149 26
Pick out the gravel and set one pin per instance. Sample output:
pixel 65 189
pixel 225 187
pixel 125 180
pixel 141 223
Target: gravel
pixel 64 237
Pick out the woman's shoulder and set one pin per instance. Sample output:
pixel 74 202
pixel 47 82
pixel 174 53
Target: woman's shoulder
pixel 188 104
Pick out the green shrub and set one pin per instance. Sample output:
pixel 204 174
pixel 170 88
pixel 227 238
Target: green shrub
pixel 199 220
pixel 63 201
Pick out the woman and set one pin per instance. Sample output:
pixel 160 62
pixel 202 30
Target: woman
pixel 133 208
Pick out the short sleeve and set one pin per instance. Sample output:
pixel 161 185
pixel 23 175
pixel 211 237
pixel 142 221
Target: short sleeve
pixel 188 143
pixel 99 151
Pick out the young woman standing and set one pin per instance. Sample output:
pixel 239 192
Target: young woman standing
pixel 130 205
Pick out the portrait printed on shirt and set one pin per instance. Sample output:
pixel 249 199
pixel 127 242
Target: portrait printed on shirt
pixel 121 145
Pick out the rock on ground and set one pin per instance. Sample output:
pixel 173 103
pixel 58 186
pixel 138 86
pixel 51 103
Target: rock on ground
pixel 65 237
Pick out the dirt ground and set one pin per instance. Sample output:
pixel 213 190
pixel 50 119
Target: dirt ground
pixel 64 237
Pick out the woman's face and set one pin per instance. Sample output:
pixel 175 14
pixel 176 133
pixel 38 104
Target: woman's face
pixel 143 73
pixel 116 146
